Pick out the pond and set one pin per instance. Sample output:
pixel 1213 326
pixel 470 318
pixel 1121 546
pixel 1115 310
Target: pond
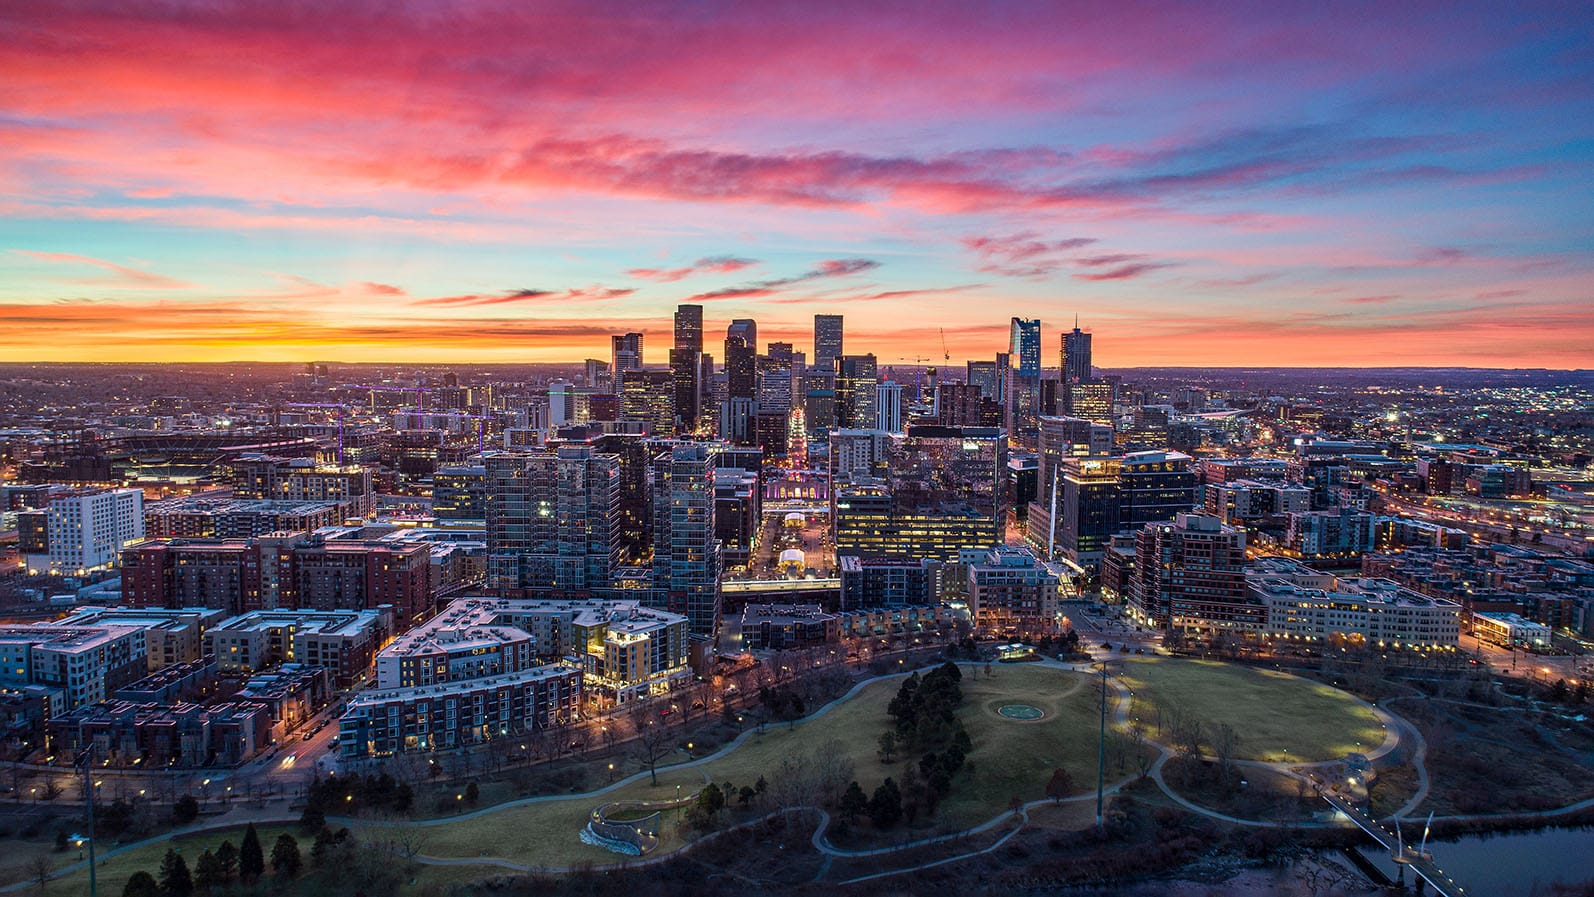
pixel 1514 864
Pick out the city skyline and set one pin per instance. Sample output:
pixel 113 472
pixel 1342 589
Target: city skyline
pixel 484 182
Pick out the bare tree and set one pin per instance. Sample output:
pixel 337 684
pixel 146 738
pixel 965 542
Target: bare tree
pixel 1225 741
pixel 39 869
pixel 833 769
pixel 1137 739
pixel 653 744
pixel 406 842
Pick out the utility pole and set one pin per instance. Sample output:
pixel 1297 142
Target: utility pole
pixel 88 799
pixel 1101 747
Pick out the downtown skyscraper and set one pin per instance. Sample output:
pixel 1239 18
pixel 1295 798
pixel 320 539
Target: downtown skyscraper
pixel 1024 388
pixel 686 366
pixel 551 519
pixel 686 552
pixel 1076 355
pixel 827 341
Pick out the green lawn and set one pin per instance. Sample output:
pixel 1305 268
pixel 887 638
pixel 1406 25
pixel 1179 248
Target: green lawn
pixel 1273 712
pixel 1278 716
pixel 113 872
pixel 1010 759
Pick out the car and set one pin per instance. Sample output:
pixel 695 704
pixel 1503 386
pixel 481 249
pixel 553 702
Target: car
pixel 308 736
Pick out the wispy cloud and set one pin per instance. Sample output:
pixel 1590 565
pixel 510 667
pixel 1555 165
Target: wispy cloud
pixel 717 264
pixel 1023 254
pixel 124 277
pixel 507 297
pixel 827 268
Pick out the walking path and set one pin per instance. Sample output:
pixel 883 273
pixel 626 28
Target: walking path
pixel 1397 730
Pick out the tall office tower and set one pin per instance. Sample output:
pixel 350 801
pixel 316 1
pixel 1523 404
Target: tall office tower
pixel 741 359
pixel 775 378
pixel 855 391
pixel 627 349
pixel 1076 355
pixel 1065 437
pixel 990 377
pixel 1089 508
pixel 686 553
pixel 799 379
pixel 1025 347
pixel 827 341
pixel 1187 573
pixel 599 376
pixel 819 405
pixel 942 493
pixel 649 396
pixel 1156 487
pixel 858 454
pixel 689 327
pixel 1024 391
pixel 551 520
pixel 561 403
pixel 888 406
pixel 738 420
pixel 965 405
pixel 686 366
pixel 1089 399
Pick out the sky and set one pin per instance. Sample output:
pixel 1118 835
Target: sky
pixel 1201 184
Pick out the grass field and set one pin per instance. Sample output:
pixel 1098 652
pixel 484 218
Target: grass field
pixel 1278 716
pixel 1011 758
pixel 113 872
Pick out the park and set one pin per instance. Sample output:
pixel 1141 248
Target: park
pixel 1024 721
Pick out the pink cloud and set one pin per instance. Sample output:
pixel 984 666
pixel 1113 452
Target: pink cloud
pixel 125 277
pixel 719 264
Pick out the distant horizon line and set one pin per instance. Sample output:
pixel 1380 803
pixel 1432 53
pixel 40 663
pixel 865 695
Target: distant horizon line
pixel 479 364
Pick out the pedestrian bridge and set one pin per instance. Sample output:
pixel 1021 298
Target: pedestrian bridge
pixel 1418 859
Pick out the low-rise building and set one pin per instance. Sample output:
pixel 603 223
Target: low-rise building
pixel 626 650
pixel 382 722
pixel 170 636
pixel 1013 594
pixel 86 662
pixel 343 642
pixel 1300 604
pixel 785 626
pixel 1510 629
pixel 886 582
pixel 162 736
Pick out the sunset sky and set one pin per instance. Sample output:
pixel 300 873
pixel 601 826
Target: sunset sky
pixel 1228 184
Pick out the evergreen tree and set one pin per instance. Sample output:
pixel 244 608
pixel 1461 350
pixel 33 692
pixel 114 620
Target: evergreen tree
pixel 285 858
pixel 322 846
pixel 885 807
pixel 251 857
pixel 227 856
pixel 314 818
pixel 142 884
pixel 854 803
pixel 207 872
pixel 175 880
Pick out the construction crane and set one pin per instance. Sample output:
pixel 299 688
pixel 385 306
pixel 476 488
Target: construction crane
pixel 944 350
pixel 341 409
pixel 918 374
